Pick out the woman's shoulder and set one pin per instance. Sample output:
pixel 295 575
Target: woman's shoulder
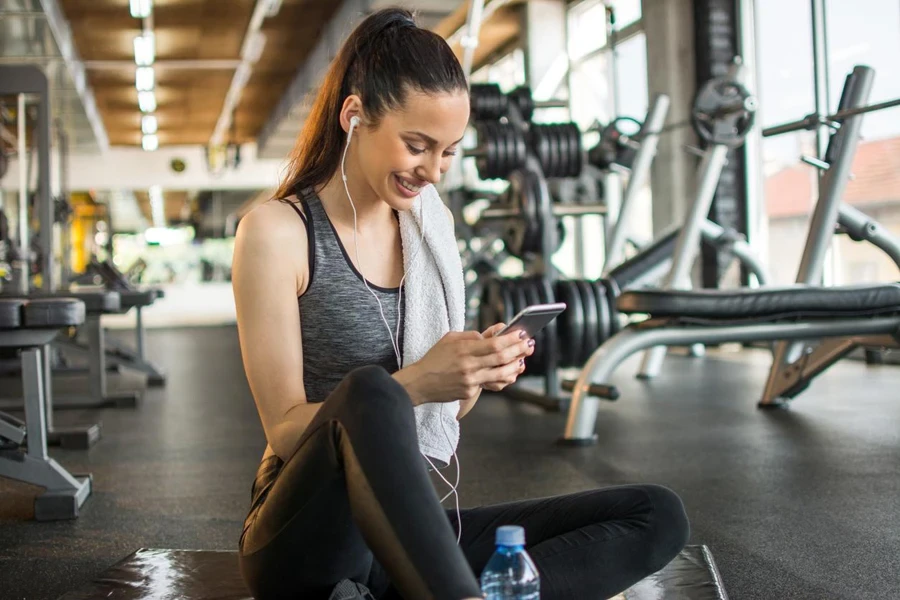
pixel 273 227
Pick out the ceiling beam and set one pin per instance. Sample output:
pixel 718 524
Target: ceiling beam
pixel 308 77
pixel 62 33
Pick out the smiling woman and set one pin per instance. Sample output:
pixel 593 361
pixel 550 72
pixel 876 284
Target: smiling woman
pixel 342 496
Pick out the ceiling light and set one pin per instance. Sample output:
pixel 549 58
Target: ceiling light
pixel 141 9
pixel 144 79
pixel 144 49
pixel 150 142
pixel 149 124
pixel 147 101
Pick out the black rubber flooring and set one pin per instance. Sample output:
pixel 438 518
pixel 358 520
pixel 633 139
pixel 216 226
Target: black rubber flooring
pixel 798 503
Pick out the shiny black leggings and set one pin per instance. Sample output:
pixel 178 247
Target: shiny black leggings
pixel 355 502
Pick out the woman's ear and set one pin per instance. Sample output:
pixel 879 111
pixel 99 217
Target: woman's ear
pixel 352 108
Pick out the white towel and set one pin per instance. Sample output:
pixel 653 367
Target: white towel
pixel 435 301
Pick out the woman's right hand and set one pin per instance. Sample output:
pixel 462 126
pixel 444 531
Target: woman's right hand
pixel 459 363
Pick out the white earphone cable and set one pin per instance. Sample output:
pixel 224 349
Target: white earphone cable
pixel 395 336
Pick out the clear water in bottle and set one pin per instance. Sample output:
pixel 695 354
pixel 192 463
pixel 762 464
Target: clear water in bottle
pixel 510 573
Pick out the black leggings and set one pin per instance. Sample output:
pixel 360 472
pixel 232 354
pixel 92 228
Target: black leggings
pixel 355 502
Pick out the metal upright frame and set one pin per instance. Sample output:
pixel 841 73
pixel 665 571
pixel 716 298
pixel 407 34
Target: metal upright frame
pixel 791 361
pixel 19 80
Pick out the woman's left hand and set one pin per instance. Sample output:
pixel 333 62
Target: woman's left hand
pixel 506 375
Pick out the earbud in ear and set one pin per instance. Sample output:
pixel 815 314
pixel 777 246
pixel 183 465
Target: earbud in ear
pixel 354 122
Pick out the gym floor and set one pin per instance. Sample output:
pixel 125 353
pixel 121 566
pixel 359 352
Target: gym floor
pixel 798 503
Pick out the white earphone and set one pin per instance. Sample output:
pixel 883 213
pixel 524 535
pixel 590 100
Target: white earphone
pixel 395 335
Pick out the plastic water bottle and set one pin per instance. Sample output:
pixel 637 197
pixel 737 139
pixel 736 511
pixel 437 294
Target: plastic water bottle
pixel 510 574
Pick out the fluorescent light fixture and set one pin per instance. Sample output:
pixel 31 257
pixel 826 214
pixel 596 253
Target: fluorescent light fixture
pixel 141 9
pixel 144 49
pixel 149 124
pixel 150 142
pixel 147 101
pixel 144 79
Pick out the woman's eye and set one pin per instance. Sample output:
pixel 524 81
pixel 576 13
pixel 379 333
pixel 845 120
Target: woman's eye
pixel 414 150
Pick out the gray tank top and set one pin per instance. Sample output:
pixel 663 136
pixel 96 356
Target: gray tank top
pixel 340 323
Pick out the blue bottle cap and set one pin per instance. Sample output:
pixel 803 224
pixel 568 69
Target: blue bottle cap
pixel 510 535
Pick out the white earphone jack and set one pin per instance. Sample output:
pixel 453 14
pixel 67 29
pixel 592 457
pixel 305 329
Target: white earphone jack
pixel 395 335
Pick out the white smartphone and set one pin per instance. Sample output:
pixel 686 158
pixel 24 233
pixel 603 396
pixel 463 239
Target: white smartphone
pixel 533 318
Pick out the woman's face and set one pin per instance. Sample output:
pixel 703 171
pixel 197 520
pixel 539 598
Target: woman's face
pixel 413 146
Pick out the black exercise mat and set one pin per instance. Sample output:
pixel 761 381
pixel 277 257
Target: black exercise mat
pixel 209 574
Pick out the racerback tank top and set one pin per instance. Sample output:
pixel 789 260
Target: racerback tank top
pixel 340 322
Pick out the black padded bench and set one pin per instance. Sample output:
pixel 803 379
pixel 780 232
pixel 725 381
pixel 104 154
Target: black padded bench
pixel 29 325
pixel 97 303
pixel 214 575
pixel 119 354
pixel 843 318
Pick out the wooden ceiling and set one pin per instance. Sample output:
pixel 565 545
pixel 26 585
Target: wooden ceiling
pixel 190 99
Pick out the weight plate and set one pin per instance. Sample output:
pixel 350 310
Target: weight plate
pixel 603 314
pixel 539 144
pixel 521 149
pixel 562 166
pixel 522 98
pixel 723 112
pixel 612 296
pixel 487 101
pixel 556 157
pixel 589 305
pixel 578 151
pixel 570 326
pixel 511 162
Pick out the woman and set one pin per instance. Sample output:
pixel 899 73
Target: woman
pixel 342 492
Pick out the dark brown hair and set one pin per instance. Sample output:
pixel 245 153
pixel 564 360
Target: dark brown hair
pixel 386 56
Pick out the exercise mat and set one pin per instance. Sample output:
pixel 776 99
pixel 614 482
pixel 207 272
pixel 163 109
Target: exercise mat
pixel 208 575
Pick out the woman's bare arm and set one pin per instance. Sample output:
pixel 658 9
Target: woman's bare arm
pixel 270 270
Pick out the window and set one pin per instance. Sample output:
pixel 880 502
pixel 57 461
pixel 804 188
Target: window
pixel 872 38
pixel 786 93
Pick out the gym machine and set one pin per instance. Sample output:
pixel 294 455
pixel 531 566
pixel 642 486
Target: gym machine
pixel 843 318
pixel 722 115
pixel 29 322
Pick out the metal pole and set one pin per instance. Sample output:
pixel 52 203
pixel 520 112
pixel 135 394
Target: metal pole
pixel 640 172
pixel 833 183
pixel 820 74
pixel 753 172
pixel 45 203
pixel 826 214
pixel 23 265
pixel 469 41
pixel 688 243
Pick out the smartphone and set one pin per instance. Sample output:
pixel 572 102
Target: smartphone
pixel 534 318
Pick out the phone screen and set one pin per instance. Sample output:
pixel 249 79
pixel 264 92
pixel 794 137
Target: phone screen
pixel 533 318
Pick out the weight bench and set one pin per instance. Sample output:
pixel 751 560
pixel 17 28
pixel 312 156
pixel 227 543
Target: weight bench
pixel 97 303
pixel 843 318
pixel 121 355
pixel 29 325
pixel 214 575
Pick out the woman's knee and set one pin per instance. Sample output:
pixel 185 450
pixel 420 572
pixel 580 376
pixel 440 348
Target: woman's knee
pixel 669 524
pixel 372 393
